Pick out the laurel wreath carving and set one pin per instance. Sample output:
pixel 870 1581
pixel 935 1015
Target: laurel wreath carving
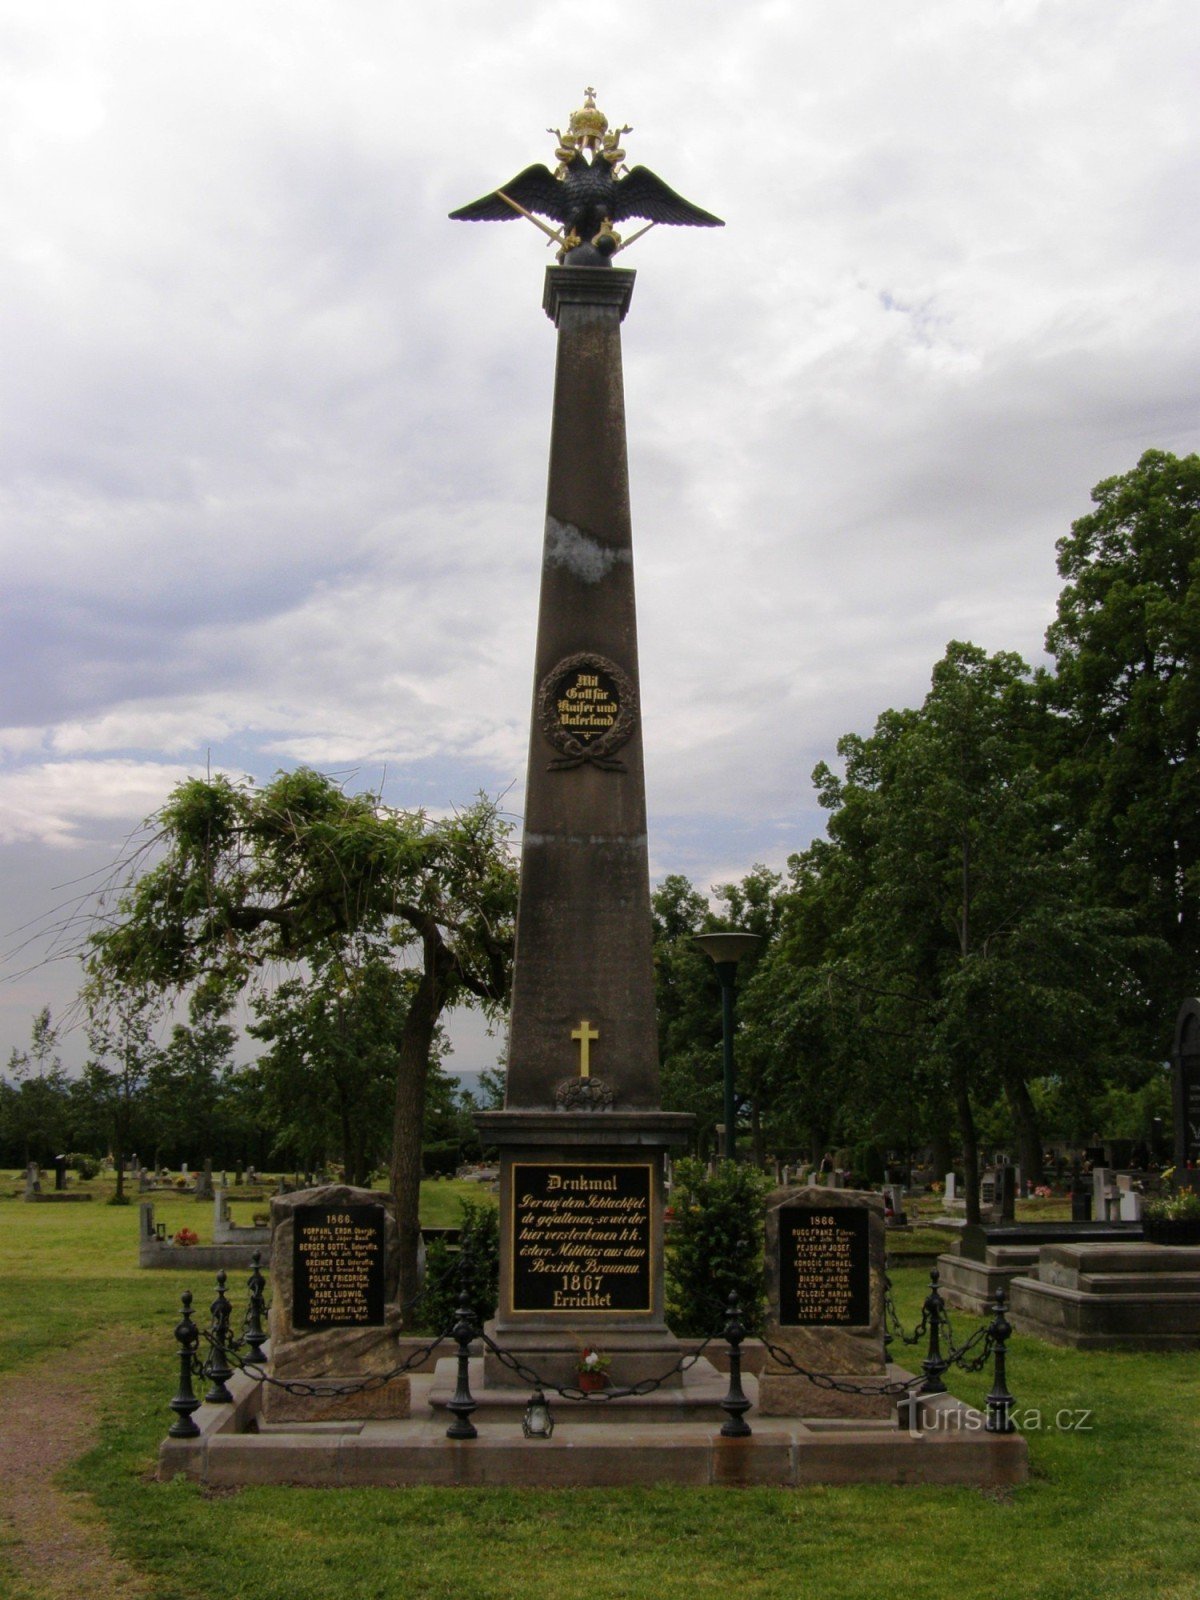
pixel 596 752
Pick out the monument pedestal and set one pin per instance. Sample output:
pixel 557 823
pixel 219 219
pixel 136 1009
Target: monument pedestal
pixel 581 1249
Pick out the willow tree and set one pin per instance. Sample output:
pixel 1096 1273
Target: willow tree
pixel 244 887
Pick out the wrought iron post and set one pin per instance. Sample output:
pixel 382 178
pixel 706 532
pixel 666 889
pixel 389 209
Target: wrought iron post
pixel 462 1404
pixel 735 1401
pixel 185 1401
pixel 999 1401
pixel 255 1335
pixel 888 1312
pixel 935 1363
pixel 217 1366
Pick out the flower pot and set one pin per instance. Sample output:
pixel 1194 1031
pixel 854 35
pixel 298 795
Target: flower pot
pixel 1171 1230
pixel 590 1382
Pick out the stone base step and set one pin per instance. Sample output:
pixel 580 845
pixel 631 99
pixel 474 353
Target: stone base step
pixel 233 1447
pixel 697 1399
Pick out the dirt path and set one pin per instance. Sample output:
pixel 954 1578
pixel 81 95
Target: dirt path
pixel 48 1416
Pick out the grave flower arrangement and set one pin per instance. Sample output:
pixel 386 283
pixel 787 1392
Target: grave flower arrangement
pixel 592 1368
pixel 1172 1216
pixel 187 1236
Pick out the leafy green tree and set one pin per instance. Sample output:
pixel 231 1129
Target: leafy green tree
pixel 330 1072
pixel 35 1097
pixel 186 1082
pixel 122 1052
pixel 1126 642
pixel 688 998
pixel 957 913
pixel 236 883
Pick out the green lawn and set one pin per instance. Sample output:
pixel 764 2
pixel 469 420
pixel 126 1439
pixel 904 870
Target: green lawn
pixel 1111 1513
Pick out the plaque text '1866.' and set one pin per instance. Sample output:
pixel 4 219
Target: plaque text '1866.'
pixel 338 1266
pixel 824 1266
pixel 581 1237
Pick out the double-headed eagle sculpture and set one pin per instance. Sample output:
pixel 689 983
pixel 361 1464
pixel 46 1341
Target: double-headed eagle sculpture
pixel 586 195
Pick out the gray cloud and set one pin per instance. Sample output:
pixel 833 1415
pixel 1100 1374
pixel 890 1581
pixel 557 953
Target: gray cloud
pixel 273 432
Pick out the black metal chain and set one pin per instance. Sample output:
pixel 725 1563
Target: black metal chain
pixel 955 1355
pixel 826 1380
pixel 977 1363
pixel 568 1391
pixel 316 1389
pixel 896 1327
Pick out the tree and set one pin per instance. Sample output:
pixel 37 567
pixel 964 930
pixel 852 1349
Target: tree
pixel 36 1097
pixel 330 1072
pixel 186 1080
pixel 960 918
pixel 1126 641
pixel 120 1032
pixel 235 883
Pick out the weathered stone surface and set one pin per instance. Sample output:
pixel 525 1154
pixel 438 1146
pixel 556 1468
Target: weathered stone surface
pixel 333 1354
pixel 852 1351
pixel 391 1402
pixel 583 925
pixel 1100 1297
pixel 582 1081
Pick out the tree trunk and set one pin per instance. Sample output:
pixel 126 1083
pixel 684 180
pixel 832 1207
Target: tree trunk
pixel 942 1152
pixel 756 1136
pixel 352 1161
pixel 818 1141
pixel 1028 1129
pixel 970 1142
pixel 119 1155
pixel 412 1072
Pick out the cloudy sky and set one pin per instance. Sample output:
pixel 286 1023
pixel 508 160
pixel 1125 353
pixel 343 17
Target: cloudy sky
pixel 273 451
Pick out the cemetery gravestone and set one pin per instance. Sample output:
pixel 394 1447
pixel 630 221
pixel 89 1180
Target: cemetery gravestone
pixel 334 1312
pixel 33 1180
pixel 204 1183
pixel 1008 1194
pixel 60 1174
pixel 825 1290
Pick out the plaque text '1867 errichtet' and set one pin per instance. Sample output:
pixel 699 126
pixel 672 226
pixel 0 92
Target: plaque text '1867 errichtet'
pixel 581 1236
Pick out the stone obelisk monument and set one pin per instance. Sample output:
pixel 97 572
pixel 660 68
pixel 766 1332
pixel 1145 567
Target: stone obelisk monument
pixel 582 1136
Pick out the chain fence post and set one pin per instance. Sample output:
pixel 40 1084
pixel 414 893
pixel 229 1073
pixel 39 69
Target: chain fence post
pixel 217 1367
pixel 735 1401
pixel 935 1363
pixel 255 1335
pixel 999 1401
pixel 185 1401
pixel 462 1403
pixel 889 1312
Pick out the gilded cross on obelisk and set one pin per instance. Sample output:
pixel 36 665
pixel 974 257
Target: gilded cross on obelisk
pixel 585 1033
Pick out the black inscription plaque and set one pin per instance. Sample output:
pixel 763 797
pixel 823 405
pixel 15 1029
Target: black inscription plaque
pixel 824 1266
pixel 337 1267
pixel 581 1236
pixel 587 707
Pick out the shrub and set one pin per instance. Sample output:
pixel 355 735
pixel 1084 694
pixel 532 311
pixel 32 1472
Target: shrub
pixel 716 1246
pixel 475 1263
pixel 86 1166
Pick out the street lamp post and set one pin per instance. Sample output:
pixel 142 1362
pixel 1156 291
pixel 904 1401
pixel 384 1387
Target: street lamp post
pixel 725 950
